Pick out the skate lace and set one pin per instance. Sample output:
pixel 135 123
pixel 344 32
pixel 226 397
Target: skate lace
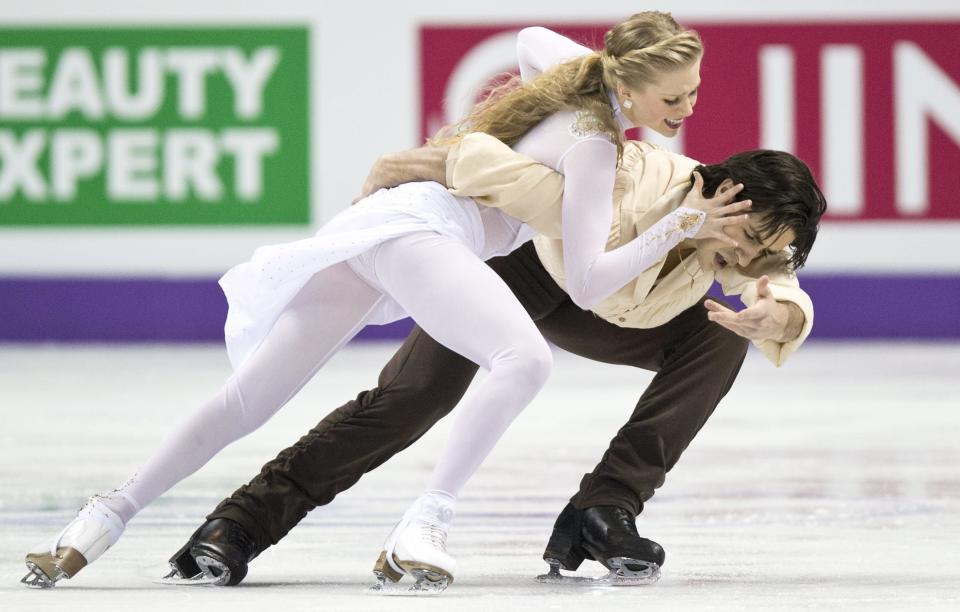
pixel 626 520
pixel 435 535
pixel 241 539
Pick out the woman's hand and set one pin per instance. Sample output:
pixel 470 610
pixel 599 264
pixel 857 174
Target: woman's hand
pixel 721 210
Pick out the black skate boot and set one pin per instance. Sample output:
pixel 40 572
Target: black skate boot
pixel 607 534
pixel 565 548
pixel 217 554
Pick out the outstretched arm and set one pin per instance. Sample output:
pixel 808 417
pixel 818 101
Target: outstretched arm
pixel 779 314
pixel 766 319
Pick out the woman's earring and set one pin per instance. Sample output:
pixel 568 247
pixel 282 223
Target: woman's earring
pixel 628 104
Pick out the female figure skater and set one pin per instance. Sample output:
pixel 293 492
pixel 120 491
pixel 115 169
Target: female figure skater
pixel 417 250
pixel 568 111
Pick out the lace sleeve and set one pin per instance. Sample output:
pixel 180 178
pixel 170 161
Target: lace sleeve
pixel 654 244
pixel 539 48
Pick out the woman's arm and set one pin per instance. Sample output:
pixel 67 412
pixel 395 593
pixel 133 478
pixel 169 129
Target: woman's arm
pixel 539 48
pixel 593 274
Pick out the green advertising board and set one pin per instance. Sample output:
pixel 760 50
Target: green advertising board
pixel 107 126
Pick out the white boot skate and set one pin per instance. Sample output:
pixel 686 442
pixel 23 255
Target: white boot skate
pixel 95 529
pixel 418 546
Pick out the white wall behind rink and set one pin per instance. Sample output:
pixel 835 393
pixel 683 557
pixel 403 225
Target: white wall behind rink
pixel 365 102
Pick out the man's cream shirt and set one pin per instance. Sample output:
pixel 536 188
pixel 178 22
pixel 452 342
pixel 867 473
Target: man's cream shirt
pixel 650 183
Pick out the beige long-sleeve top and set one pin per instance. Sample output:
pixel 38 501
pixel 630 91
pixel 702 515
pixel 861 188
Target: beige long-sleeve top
pixel 650 183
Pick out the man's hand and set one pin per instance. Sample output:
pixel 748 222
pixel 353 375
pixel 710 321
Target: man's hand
pixel 767 319
pixel 423 164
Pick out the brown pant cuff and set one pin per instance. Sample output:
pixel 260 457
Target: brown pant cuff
pixel 626 500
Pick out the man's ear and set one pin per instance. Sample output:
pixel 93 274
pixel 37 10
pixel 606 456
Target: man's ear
pixel 726 184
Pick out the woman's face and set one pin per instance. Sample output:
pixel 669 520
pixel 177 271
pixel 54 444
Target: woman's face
pixel 663 105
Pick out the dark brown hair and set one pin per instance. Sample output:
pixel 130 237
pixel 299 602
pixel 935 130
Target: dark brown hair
pixel 782 190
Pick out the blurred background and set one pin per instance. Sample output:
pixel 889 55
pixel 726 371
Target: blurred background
pixel 147 147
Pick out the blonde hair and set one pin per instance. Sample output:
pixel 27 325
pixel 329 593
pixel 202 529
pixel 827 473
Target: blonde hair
pixel 635 53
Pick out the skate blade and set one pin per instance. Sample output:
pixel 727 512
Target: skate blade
pixel 430 580
pixel 623 572
pixel 422 588
pixel 46 569
pixel 384 571
pixel 36 578
pixel 213 573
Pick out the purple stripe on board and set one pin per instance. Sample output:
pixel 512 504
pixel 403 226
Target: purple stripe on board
pixel 166 310
pixel 123 310
pixel 885 306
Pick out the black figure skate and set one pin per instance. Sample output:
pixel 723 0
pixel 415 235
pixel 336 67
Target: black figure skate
pixel 217 554
pixel 607 534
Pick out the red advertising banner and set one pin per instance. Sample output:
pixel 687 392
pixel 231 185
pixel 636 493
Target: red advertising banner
pixel 873 108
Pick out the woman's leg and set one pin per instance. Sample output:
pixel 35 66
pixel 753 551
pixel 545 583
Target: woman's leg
pixel 331 308
pixel 328 312
pixel 461 303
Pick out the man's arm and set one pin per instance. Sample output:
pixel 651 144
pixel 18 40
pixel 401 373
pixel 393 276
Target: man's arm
pixel 481 167
pixel 423 164
pixel 779 314
pixel 794 324
pixel 766 319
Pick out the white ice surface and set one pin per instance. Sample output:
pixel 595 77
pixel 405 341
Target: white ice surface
pixel 831 483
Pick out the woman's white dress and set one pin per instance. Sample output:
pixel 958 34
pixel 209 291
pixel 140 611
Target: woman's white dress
pixel 258 290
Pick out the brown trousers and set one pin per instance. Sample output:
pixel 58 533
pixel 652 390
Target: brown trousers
pixel 696 363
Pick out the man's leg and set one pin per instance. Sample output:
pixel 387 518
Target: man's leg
pixel 696 363
pixel 421 384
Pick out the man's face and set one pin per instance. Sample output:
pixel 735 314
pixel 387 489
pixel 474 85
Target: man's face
pixel 714 255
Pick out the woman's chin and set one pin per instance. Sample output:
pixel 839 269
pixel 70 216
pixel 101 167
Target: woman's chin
pixel 668 132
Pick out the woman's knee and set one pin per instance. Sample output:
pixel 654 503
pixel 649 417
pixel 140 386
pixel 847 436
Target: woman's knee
pixel 246 407
pixel 530 360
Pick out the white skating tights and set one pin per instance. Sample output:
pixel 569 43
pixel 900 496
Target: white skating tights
pixel 447 290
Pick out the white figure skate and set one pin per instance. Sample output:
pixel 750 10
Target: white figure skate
pixel 417 546
pixel 88 536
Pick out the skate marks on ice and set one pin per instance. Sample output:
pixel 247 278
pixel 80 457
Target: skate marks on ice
pixel 844 496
